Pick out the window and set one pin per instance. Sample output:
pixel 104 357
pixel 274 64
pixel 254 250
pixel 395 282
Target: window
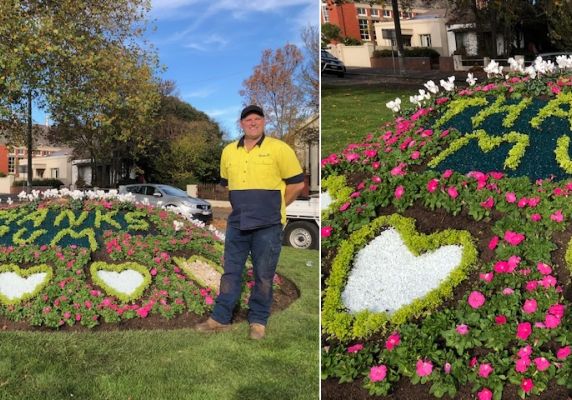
pixel 20 151
pixel 55 173
pixel 11 164
pixel 387 13
pixel 361 12
pixel 325 13
pixel 363 29
pixel 406 41
pixel 40 172
pixel 375 13
pixel 425 40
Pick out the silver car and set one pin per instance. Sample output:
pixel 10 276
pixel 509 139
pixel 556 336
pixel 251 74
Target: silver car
pixel 169 196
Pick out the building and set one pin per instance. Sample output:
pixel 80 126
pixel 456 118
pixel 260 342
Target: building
pixel 56 165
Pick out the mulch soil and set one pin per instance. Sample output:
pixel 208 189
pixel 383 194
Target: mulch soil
pixel 427 222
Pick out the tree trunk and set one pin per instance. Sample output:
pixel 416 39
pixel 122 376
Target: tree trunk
pixel 493 22
pixel 30 144
pixel 398 38
pixel 93 170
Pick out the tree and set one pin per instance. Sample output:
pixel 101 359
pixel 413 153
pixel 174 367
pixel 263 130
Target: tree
pixel 330 33
pixel 272 86
pixel 40 42
pixel 310 73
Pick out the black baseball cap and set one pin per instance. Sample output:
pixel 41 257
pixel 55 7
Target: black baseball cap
pixel 251 109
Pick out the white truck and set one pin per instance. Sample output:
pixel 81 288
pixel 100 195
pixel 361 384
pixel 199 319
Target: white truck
pixel 302 230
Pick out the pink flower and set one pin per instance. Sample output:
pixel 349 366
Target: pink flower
pixel 326 231
pixel 485 394
pixel 531 286
pixel 533 201
pixel 522 202
pixel 563 353
pixel 392 341
pixel 399 192
pixel 500 319
pixel 535 217
pixel 447 368
pixel 525 352
pixel 510 197
pixel 488 277
pixel 209 300
pixel 142 312
pixel 557 216
pixel 530 306
pixel 522 365
pixel 355 348
pixel 473 361
pixel 452 191
pixel 493 242
pixel 432 185
pixel 67 315
pixel 447 174
pixel 485 370
pixel 378 373
pixel 488 203
pixel 513 238
pixel 462 329
pixel 551 321
pixel 523 330
pixel 345 206
pixel 415 155
pixel 352 157
pixel 153 271
pixel 542 364
pixel 507 291
pixel 376 179
pixel 527 385
pixel 548 281
pixel 476 299
pixel 557 309
pixel 424 368
pixel 544 269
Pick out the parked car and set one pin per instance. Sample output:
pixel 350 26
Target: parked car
pixel 169 196
pixel 331 64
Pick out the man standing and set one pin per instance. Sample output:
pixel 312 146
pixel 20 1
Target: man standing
pixel 263 176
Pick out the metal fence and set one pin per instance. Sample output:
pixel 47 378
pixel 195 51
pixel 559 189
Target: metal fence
pixel 212 191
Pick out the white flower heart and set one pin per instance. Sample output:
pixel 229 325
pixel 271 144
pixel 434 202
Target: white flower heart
pixel 126 281
pixel 387 276
pixel 14 287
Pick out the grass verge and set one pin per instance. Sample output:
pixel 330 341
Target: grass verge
pixel 350 113
pixel 179 364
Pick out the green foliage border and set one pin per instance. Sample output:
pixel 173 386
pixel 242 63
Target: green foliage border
pixel 181 263
pixel 338 190
pixel 343 325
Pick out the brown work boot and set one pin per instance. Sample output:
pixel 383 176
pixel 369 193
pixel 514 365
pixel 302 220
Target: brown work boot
pixel 210 325
pixel 257 331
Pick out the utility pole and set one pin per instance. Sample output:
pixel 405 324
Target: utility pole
pixel 398 38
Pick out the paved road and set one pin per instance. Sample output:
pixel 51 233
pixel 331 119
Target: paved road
pixel 388 78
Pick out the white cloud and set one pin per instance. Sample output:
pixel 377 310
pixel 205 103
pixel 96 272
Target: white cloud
pixel 208 43
pixel 227 112
pixel 200 93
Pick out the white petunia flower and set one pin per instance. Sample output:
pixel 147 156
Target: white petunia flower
pixel 493 68
pixel 449 84
pixel 516 66
pixel 430 85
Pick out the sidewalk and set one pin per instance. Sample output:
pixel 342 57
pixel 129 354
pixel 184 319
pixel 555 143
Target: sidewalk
pixel 361 76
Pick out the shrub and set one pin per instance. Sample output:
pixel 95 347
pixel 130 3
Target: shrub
pixel 54 183
pixel 411 52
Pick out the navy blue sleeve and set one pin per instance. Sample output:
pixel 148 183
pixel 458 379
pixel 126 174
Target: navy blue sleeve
pixel 295 179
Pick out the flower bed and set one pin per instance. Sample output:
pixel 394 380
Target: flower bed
pixel 70 259
pixel 491 158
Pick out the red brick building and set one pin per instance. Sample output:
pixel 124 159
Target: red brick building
pixel 353 19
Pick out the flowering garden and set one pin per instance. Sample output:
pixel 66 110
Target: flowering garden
pixel 71 259
pixel 446 244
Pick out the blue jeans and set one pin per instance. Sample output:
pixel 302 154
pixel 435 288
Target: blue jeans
pixel 263 245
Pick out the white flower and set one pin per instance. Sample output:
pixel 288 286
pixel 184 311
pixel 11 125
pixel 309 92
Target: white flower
pixel 471 80
pixel 530 71
pixel 543 67
pixel 516 66
pixel 22 195
pixel 564 62
pixel 493 68
pixel 9 201
pixel 178 225
pixel 449 84
pixel 430 85
pixel 394 105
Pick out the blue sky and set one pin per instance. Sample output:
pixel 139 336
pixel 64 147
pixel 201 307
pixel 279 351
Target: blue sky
pixel 210 47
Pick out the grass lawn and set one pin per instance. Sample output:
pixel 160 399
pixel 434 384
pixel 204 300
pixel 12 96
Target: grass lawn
pixel 179 364
pixel 349 114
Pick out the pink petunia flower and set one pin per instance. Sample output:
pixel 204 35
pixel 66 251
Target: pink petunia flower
pixel 452 192
pixel 522 365
pixel 557 309
pixel 485 370
pixel 525 351
pixel 510 197
pixel 500 319
pixel 523 330
pixel 326 231
pixel 488 277
pixel 377 373
pixel 557 216
pixel 493 242
pixel 447 174
pixel 527 385
pixel 432 185
pixel 508 291
pixel 531 286
pixel 355 348
pixel 462 329
pixel 424 368
pixel 544 269
pixel 542 364
pixel 488 203
pixel 447 368
pixel 476 299
pixel 563 352
pixel 513 238
pixel 485 394
pixel 399 192
pixel 345 206
pixel 530 306
pixel 551 321
pixel 392 341
pixel 535 217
